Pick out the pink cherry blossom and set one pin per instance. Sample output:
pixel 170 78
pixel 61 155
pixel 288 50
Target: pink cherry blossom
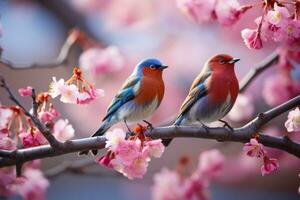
pixel 114 138
pixel 195 188
pixel 254 148
pixel 8 175
pixel 210 163
pixel 48 115
pixel 252 39
pixel 138 167
pixel 242 110
pixel 278 89
pixel 155 147
pixel 270 165
pixel 55 87
pixel 33 186
pixel 88 96
pixel 62 130
pixel 294 45
pixel 117 164
pixel 106 159
pixel 73 94
pixel 132 156
pixel 168 185
pixel 293 122
pixel 100 61
pixel 69 94
pixel 292 29
pixel 229 11
pixel 267 30
pixel 32 138
pixel 128 150
pixel 25 91
pixel 136 15
pixel 199 10
pixel 278 16
pixel 5 115
pixel 175 185
pixel 288 32
pixel 7 143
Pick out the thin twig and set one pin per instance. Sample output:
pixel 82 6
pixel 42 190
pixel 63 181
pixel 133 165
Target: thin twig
pixel 257 69
pixel 46 133
pixel 35 104
pixel 242 134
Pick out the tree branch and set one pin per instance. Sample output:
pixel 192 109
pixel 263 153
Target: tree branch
pixel 5 153
pixel 242 134
pixel 46 133
pixel 257 69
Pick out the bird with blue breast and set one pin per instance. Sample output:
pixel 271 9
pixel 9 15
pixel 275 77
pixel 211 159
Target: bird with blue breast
pixel 138 98
pixel 212 94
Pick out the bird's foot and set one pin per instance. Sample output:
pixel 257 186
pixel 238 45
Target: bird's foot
pixel 82 153
pixel 130 132
pixel 226 124
pixel 149 125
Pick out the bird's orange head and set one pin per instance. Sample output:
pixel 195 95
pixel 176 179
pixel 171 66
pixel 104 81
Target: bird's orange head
pixel 222 62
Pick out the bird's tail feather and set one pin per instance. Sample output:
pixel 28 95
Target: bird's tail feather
pixel 103 128
pixel 166 142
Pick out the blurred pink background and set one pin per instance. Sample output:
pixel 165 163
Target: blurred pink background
pixel 34 31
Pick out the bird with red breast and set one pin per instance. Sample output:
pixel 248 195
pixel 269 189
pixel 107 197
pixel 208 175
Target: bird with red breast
pixel 212 94
pixel 138 98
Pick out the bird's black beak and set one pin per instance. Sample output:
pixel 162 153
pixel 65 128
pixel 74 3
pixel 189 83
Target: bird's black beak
pixel 234 60
pixel 163 67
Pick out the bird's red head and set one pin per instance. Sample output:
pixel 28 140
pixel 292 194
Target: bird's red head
pixel 222 62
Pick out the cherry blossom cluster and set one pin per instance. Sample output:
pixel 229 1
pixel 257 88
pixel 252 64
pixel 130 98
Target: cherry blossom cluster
pixel 32 185
pixel 181 185
pixel 15 125
pixel 99 60
pixel 279 22
pixel 130 156
pixel 76 90
pixel 226 12
pixel 285 84
pixel 256 149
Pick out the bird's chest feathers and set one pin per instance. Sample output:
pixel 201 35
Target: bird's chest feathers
pixel 221 87
pixel 149 89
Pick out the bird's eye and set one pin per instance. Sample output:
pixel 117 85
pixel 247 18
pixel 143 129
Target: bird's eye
pixel 152 66
pixel 222 62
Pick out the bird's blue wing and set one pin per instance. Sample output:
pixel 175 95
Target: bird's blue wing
pixel 125 94
pixel 197 91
